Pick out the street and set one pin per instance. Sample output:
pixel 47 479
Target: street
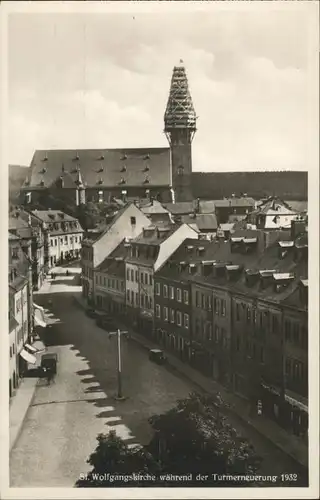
pixel 62 424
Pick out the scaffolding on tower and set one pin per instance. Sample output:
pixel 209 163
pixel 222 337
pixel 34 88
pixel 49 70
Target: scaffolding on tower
pixel 180 113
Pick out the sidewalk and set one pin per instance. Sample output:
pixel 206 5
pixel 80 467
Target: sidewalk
pixel 22 400
pixel 288 443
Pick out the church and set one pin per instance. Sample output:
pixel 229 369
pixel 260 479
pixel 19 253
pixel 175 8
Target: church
pixel 101 175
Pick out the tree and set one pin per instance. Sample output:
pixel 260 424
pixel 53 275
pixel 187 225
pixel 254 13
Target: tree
pixel 114 457
pixel 194 437
pixel 190 439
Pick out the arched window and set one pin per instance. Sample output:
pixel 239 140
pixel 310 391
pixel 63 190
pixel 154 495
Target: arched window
pixel 180 170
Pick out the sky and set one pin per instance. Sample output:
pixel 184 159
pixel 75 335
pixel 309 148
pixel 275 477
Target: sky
pixel 102 81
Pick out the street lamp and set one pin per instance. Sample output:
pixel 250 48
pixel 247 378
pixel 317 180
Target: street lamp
pixel 118 333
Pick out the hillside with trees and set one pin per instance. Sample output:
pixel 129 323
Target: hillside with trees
pixel 288 185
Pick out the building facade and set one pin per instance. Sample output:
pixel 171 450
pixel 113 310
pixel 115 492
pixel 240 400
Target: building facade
pixel 149 251
pixel 127 224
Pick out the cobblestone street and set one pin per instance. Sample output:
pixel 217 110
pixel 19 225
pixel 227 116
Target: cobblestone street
pixel 61 426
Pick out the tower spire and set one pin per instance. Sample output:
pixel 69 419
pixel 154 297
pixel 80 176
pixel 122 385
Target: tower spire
pixel 179 112
pixel 180 126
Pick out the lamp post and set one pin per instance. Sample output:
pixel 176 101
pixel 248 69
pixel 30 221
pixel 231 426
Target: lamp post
pixel 118 333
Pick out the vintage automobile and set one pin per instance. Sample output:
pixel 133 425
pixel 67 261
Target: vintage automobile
pixel 157 356
pixel 106 322
pixel 91 313
pixel 49 362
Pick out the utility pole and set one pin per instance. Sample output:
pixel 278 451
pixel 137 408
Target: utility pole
pixel 118 333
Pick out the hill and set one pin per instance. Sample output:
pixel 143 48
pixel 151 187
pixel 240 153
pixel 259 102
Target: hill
pixel 288 185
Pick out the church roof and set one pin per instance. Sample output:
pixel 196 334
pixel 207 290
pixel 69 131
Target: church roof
pixel 104 168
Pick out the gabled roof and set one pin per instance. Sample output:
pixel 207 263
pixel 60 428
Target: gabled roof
pixel 103 168
pixel 50 216
pixel 235 202
pixel 204 222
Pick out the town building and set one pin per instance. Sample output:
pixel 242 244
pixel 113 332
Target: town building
pixel 173 311
pixel 63 235
pixel 230 209
pixel 148 252
pixel 127 223
pixel 109 278
pixel 32 240
pixel 248 317
pixel 20 309
pixel 272 213
pixel 102 174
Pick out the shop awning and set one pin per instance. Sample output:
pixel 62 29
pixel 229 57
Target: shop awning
pixel 30 358
pixel 30 348
pixel 38 307
pixel 39 318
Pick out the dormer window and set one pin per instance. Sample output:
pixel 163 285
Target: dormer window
pixel 180 170
pixel 43 171
pixel 42 182
pixel 100 168
pixel 101 157
pixel 100 181
pixel 122 180
pixel 45 158
pixel 124 157
pixel 27 182
pixel 147 157
pixel 146 168
pixel 76 157
pixel 146 181
pixel 123 168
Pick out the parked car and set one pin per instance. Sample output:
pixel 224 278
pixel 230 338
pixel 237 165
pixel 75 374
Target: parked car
pixel 157 356
pixel 91 313
pixel 106 322
pixel 49 361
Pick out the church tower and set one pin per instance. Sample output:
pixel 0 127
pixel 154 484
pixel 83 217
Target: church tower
pixel 180 127
pixel 80 191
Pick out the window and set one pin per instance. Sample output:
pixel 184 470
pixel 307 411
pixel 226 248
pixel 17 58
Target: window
pixel 209 303
pixel 223 307
pixel 238 344
pixel 197 298
pixel 216 333
pixel 132 275
pixel 179 295
pixel 146 278
pixel 203 301
pixel 55 242
pixel 172 315
pixel 274 324
pixel 261 354
pixel 137 276
pixel 254 316
pixel 157 311
pixel 248 314
pixel 66 240
pixel 216 306
pixel 295 333
pixel 142 300
pixel 128 295
pixel 151 303
pixel 209 331
pixel 141 278
pixel 132 297
pixel 76 239
pixel 179 318
pixel 165 314
pixel 128 274
pixel 137 299
pixel 165 291
pixel 237 311
pixel 157 288
pixel 186 296
pixel 51 242
pixel 150 279
pixel 171 292
pixel 186 320
pixel 10 352
pixel 104 281
pixel 13 348
pixel 287 330
pixel 133 221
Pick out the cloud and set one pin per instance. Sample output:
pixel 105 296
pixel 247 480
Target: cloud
pixel 103 81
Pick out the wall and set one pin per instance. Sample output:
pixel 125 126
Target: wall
pixel 122 228
pixel 169 246
pixel 58 244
